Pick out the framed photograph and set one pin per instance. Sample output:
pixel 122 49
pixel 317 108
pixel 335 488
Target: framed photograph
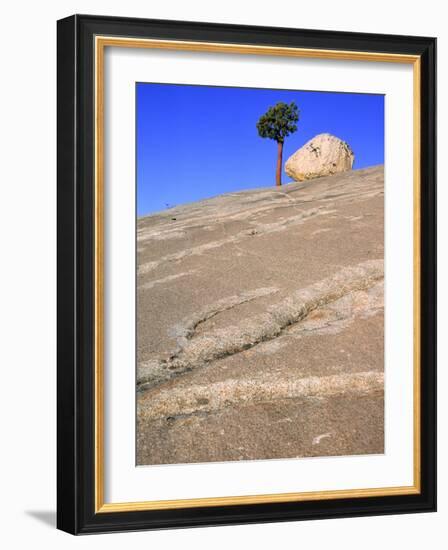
pixel 246 274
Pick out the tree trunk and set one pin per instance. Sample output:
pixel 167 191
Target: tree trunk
pixel 278 174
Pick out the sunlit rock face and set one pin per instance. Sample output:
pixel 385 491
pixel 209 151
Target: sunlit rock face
pixel 260 324
pixel 324 155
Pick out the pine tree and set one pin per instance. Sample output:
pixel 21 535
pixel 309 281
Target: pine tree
pixel 277 123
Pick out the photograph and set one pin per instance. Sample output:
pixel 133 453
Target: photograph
pixel 246 266
pixel 259 273
pixel 221 275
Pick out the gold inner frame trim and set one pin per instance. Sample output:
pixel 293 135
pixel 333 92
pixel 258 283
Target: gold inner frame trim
pixel 101 42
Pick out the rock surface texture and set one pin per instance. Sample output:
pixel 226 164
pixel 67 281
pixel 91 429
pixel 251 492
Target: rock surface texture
pixel 260 324
pixel 324 155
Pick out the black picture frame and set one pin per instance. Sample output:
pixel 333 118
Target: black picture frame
pixel 76 512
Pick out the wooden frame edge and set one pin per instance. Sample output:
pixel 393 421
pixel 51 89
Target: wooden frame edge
pixel 100 507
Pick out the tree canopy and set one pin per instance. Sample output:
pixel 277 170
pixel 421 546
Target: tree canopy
pixel 279 121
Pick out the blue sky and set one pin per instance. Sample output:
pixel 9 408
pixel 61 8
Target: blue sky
pixel 195 142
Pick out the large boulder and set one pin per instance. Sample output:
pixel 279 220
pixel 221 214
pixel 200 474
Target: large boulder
pixel 323 155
